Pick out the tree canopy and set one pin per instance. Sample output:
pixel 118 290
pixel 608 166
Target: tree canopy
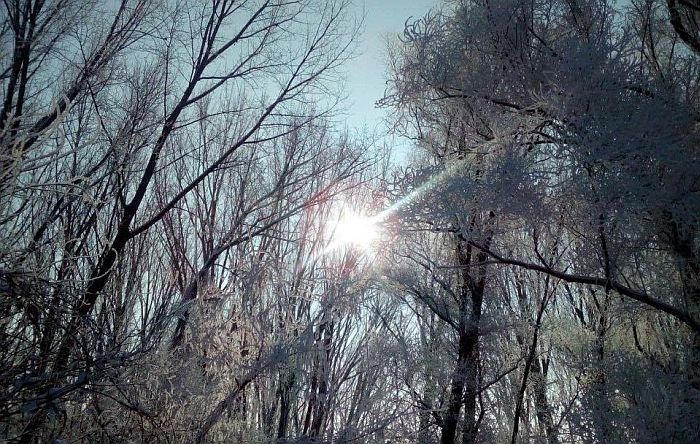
pixel 194 249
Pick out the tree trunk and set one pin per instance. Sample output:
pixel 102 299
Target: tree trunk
pixel 464 386
pixel 538 379
pixel 287 380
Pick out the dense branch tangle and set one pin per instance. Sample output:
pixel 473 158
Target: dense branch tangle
pixel 94 125
pixel 171 177
pixel 540 114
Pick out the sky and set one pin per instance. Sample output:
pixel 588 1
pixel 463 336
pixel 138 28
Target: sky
pixel 366 74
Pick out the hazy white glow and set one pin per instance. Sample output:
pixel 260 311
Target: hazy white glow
pixel 356 230
pixel 364 232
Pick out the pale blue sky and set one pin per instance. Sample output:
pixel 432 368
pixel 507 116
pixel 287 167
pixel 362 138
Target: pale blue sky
pixel 367 73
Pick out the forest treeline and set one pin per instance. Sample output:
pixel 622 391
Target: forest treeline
pixel 177 265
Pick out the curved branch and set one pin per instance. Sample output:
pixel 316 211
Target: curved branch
pixel 638 296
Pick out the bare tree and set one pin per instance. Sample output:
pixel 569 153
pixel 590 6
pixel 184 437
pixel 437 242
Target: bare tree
pixel 146 92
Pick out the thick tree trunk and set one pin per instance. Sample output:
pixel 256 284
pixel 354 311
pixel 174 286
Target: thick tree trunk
pixel 316 410
pixel 287 381
pixel 538 379
pixel 464 385
pixel 459 376
pixel 471 391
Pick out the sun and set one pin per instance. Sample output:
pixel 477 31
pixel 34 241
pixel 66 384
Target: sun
pixel 357 231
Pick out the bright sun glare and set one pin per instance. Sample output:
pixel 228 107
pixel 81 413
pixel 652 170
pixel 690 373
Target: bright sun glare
pixel 356 230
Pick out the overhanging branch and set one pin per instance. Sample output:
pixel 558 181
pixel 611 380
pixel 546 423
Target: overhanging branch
pixel 638 296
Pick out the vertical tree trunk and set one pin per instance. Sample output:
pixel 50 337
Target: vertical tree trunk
pixel 459 376
pixel 287 381
pixel 318 393
pixel 464 385
pixel 599 388
pixel 538 379
pixel 320 415
pixel 533 372
pixel 471 391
